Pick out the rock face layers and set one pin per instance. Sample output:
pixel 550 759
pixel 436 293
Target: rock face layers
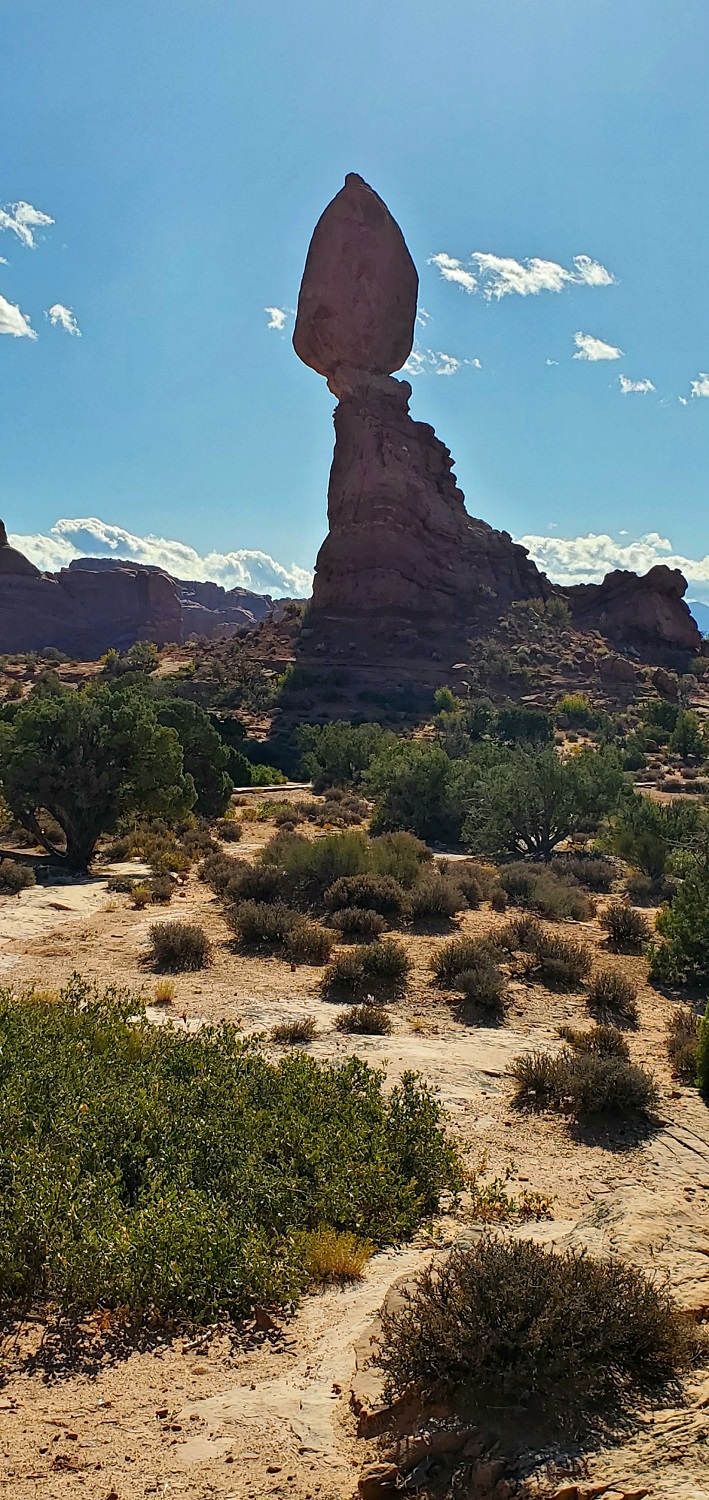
pixel 401 545
pixel 647 611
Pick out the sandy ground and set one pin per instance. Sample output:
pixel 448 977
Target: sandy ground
pixel 268 1412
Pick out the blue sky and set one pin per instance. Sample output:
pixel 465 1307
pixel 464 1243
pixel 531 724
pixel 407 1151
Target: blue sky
pixel 184 153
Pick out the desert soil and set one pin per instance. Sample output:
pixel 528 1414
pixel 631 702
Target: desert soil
pixel 267 1410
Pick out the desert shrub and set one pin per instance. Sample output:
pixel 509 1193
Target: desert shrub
pixel 261 924
pixel 523 724
pixel 528 885
pixel 499 900
pixel 162 890
pixel 682 956
pixel 416 786
pixel 683 1044
pixel 377 893
pixel 642 890
pixel 382 963
pixel 506 1325
pixel 645 833
pixel 333 1255
pixel 434 895
pixel 591 1075
pixel 175 946
pixel 399 855
pixel 308 943
pixel 522 935
pixel 339 753
pixel 559 963
pixel 576 711
pixel 358 922
pixel 591 870
pixel 113 1198
pixel 455 957
pixel 140 896
pixel 230 830
pixel 703 1054
pixel 628 930
pixel 295 1033
pixel 15 877
pixel 483 984
pixel 368 1019
pixel 611 994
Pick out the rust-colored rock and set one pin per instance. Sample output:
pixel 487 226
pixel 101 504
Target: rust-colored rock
pixel 647 610
pixel 357 303
pixel 12 562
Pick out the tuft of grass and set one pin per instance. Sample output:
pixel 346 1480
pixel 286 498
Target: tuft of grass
pixel 369 1019
pixel 141 896
pixel 510 1325
pixel 334 1255
pixel 164 992
pixel 683 1032
pixel 613 996
pixel 295 1033
pixel 171 1174
pixel 628 930
pixel 177 946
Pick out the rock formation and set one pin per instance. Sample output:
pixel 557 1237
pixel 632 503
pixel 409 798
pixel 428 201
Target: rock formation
pixel 647 611
pixel 401 546
pixel 85 610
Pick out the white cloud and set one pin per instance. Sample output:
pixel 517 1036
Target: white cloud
pixel 22 219
pixel 423 317
pixel 277 317
pixel 683 400
pixel 642 387
pixel 587 347
pixel 90 537
pixel 501 276
pixel 435 362
pixel 454 270
pixel 587 559
pixel 700 386
pixel 3 261
pixel 14 322
pixel 551 361
pixel 64 317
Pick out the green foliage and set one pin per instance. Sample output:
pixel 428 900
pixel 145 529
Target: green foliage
pixel 89 758
pixel 703 1054
pixel 308 943
pixel 15 877
pixel 645 833
pixel 591 1075
pixel 682 957
pixel 414 786
pixel 527 803
pixel 311 866
pixel 176 946
pixel 576 711
pixel 339 753
pixel 204 754
pixel 658 715
pixel 521 724
pixel 171 1174
pixel 469 966
pixel 506 1325
pixel 687 739
pixel 628 930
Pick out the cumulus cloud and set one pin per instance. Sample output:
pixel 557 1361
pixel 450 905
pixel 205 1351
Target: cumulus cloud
pixel 14 322
pixel 435 362
pixel 700 386
pixel 22 220
pixel 499 276
pixel 63 317
pixel 642 387
pixel 90 537
pixel 277 317
pixel 587 347
pixel 587 559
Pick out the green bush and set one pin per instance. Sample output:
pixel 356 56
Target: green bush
pixel 645 833
pixel 611 994
pixel 414 785
pixel 15 877
pixel 628 930
pixel 483 985
pixel 543 891
pixel 522 935
pixel 383 963
pixel 178 946
pixel 358 922
pixel 682 957
pixel 171 1173
pixel 528 801
pixel 576 711
pixel 367 1019
pixel 162 890
pixel 311 866
pixel 522 724
pixel 339 753
pixel 376 893
pixel 505 1326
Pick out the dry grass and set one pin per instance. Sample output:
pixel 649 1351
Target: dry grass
pixel 164 992
pixel 331 1255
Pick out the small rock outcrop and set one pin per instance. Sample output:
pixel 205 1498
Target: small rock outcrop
pixel 401 546
pixel 644 611
pixel 14 564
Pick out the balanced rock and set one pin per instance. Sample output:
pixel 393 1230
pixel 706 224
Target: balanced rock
pixel 357 302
